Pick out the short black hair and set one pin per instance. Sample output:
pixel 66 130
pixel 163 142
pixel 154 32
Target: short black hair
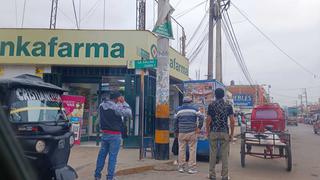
pixel 219 93
pixel 115 95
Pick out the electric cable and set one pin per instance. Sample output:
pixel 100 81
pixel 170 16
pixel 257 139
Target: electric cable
pixel 91 10
pixel 181 14
pixel 75 14
pixel 236 50
pixel 23 13
pixel 65 15
pixel 197 28
pixel 273 42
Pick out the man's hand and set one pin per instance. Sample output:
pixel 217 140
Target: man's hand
pixel 121 99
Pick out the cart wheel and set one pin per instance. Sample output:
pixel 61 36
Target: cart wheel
pixel 289 159
pixel 243 154
pixel 315 131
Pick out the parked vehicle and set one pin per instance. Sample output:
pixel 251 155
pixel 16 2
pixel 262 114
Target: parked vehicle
pixel 267 130
pixel 34 110
pixel 316 124
pixel 270 115
pixel 292 121
pixel 292 116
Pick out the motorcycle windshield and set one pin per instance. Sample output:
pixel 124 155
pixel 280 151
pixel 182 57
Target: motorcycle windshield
pixel 33 105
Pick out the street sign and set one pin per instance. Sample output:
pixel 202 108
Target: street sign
pixel 144 64
pixel 163 26
pixel 164 30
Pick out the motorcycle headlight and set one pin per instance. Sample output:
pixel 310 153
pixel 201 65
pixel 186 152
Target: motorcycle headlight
pixel 71 140
pixel 40 146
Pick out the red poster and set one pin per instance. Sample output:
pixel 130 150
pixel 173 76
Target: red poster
pixel 74 106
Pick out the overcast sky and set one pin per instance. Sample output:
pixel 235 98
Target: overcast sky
pixel 293 24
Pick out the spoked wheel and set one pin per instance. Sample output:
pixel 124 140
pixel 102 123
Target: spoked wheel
pixel 289 158
pixel 243 154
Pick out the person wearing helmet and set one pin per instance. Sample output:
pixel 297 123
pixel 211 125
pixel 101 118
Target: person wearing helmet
pixel 188 122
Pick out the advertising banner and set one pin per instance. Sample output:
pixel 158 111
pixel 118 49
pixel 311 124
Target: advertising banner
pixel 74 106
pixel 245 100
pixel 202 94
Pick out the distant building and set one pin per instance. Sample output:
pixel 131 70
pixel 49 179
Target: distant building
pixel 245 97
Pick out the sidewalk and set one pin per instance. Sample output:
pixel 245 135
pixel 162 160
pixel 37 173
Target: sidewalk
pixel 83 160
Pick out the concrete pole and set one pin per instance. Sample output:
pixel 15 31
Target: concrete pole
pixel 218 42
pixel 210 43
pixel 162 96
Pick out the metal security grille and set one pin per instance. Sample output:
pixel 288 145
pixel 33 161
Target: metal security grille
pixel 132 91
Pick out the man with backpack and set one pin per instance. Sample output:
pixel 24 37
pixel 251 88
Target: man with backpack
pixel 218 130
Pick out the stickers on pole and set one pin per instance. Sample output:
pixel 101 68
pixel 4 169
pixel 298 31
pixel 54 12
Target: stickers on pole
pixel 163 25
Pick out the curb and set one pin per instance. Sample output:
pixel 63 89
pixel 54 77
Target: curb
pixel 140 169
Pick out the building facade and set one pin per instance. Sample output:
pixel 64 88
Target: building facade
pixel 91 63
pixel 245 97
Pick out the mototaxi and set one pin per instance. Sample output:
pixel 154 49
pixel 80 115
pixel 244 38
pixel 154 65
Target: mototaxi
pixel 34 109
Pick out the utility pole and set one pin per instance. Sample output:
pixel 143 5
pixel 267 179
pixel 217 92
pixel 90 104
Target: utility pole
pixel 210 43
pixel 53 16
pixel 183 43
pixel 141 14
pixel 162 84
pixel 217 15
pixel 306 96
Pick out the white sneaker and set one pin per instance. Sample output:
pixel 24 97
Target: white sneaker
pixel 181 170
pixel 192 171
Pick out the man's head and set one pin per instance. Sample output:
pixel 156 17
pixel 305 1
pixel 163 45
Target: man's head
pixel 219 93
pixel 187 100
pixel 115 96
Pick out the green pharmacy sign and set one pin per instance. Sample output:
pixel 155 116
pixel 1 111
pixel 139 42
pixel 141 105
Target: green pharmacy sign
pixel 164 30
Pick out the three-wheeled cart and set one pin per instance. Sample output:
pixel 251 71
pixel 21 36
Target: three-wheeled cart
pixel 267 138
pixel 274 144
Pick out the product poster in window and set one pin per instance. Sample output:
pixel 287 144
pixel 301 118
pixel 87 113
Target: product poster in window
pixel 74 106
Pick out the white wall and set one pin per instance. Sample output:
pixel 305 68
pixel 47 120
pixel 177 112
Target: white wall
pixel 15 70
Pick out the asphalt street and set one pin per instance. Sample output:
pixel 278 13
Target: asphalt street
pixel 306 163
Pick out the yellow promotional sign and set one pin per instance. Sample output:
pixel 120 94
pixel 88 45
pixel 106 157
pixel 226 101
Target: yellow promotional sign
pixel 83 48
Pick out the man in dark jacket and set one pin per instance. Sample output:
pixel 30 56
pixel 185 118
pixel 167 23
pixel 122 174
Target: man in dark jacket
pixel 188 122
pixel 111 113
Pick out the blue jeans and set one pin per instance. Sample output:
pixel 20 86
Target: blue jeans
pixel 110 144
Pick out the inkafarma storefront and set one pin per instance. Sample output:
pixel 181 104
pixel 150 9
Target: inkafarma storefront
pixel 90 63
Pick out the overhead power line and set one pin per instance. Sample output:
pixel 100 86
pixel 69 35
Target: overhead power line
pixel 198 28
pixel 91 11
pixel 273 43
pixel 189 10
pixel 23 13
pixel 75 14
pixel 234 45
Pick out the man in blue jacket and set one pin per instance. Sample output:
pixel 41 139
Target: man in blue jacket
pixel 110 116
pixel 188 122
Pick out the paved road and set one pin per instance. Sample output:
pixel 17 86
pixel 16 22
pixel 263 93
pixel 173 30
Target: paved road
pixel 306 163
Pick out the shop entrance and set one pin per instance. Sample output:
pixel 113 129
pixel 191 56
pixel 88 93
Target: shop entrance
pixel 96 82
